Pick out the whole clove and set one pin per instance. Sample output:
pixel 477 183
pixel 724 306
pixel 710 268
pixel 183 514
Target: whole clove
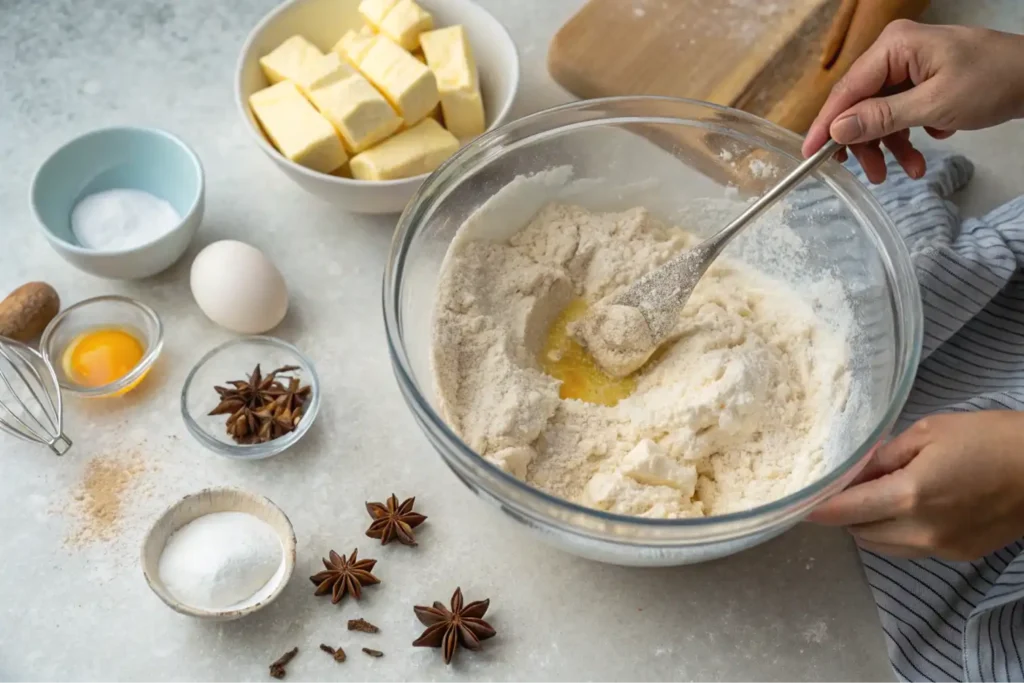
pixel 362 625
pixel 337 653
pixel 277 669
pixel 373 653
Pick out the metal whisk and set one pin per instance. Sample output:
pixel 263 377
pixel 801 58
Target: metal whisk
pixel 30 402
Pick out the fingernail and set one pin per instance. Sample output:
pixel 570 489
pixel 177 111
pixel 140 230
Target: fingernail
pixel 846 129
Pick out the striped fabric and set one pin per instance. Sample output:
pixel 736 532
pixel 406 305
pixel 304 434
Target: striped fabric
pixel 958 621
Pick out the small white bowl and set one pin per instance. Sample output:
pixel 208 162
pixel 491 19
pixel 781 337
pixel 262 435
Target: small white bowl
pixel 204 502
pixel 323 22
pixel 146 159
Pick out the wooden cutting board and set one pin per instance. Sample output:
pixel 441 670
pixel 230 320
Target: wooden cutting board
pixel 774 58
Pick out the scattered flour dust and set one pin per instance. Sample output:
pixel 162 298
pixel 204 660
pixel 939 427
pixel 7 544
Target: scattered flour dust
pixel 741 20
pixel 816 633
pixel 734 414
pixel 757 168
pixel 762 169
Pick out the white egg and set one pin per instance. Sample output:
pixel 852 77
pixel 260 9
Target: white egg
pixel 237 287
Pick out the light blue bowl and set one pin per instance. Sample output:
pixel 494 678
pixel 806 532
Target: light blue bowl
pixel 146 159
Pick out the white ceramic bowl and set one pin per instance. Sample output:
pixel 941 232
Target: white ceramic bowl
pixel 323 22
pixel 146 159
pixel 196 505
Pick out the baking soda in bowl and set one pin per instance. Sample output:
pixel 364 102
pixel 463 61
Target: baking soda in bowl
pixel 120 219
pixel 222 560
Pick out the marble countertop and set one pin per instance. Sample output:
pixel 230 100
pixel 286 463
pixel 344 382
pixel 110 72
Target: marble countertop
pixel 797 608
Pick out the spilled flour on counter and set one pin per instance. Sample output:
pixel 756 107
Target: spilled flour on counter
pixel 733 414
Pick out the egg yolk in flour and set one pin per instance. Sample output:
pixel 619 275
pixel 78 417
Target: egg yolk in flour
pixel 565 359
pixel 101 356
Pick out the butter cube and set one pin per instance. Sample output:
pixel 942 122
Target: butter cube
pixel 360 114
pixel 354 45
pixel 296 129
pixel 514 459
pixel 405 22
pixel 374 11
pixel 321 72
pixel 407 83
pixel 418 150
pixel 650 464
pixel 435 114
pixel 450 57
pixel 289 59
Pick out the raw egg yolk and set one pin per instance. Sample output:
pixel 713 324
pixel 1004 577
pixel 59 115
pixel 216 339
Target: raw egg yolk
pixel 102 356
pixel 565 359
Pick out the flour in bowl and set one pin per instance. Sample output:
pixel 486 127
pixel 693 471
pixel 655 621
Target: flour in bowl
pixel 734 413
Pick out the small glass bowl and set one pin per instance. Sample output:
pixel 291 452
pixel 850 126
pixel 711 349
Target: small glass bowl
pixel 235 360
pixel 97 313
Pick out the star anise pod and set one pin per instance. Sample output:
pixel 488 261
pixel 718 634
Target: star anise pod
pixel 277 418
pixel 261 408
pixel 252 393
pixel 392 520
pixel 344 575
pixel 449 628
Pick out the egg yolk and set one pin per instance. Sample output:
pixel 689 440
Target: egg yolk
pixel 565 359
pixel 102 356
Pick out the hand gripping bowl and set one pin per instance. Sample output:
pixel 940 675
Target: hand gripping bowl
pixel 668 155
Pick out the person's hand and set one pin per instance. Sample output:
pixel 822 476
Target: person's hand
pixel 945 78
pixel 951 486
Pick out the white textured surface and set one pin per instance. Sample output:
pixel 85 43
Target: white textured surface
pixel 796 608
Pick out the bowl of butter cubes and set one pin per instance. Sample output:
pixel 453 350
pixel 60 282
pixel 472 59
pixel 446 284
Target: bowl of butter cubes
pixel 358 101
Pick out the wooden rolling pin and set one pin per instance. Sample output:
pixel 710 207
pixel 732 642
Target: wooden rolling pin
pixel 779 64
pixel 856 26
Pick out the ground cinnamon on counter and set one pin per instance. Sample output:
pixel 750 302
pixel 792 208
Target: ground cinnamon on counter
pixel 99 498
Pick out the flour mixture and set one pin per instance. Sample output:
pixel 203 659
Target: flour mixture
pixel 733 414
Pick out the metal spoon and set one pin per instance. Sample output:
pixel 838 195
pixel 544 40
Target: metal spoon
pixel 622 332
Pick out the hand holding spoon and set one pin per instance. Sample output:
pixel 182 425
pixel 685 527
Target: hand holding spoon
pixel 623 331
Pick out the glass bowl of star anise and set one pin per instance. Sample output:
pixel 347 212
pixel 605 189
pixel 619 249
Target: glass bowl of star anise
pixel 251 398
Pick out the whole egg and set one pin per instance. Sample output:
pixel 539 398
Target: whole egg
pixel 238 287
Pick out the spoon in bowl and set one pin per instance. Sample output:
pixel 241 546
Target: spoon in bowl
pixel 621 332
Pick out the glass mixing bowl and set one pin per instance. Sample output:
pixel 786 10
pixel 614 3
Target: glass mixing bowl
pixel 690 163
